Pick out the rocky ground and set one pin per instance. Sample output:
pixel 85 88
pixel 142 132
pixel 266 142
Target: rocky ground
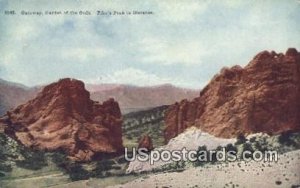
pixel 191 139
pixel 261 98
pixel 21 167
pixel 283 173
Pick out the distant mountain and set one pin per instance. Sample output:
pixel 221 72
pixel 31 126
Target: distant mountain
pixel 12 94
pixel 130 98
pixel 101 87
pixel 134 98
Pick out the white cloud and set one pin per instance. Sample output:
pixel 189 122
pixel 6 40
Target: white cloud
pixel 233 3
pixel 134 76
pixel 199 36
pixel 85 54
pixel 169 52
pixel 180 11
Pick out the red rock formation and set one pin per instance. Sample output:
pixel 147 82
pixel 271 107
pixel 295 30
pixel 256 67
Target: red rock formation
pixel 62 117
pixel 146 142
pixel 262 97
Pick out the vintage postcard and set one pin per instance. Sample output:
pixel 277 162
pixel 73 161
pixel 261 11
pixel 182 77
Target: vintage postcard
pixel 152 94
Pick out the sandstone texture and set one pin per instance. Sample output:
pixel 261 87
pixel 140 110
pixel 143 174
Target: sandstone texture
pixel 264 96
pixel 146 142
pixel 63 117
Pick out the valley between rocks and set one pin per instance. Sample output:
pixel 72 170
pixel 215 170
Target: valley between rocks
pixel 62 138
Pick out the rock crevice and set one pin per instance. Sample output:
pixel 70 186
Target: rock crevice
pixel 264 96
pixel 63 117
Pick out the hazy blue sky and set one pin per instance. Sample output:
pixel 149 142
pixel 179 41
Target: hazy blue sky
pixel 184 42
